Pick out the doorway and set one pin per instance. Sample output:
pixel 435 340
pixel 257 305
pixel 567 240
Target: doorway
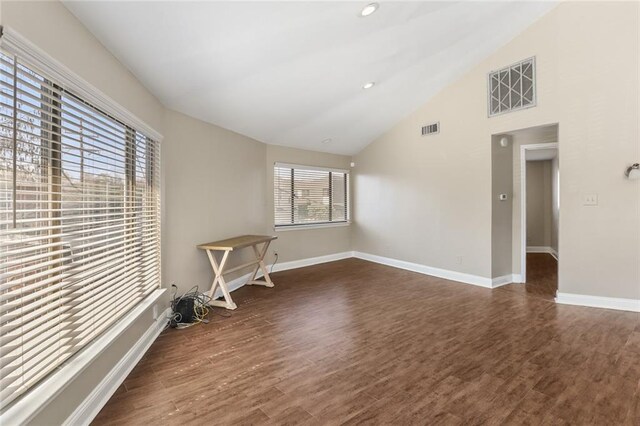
pixel 540 213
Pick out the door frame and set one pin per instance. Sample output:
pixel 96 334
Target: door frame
pixel 523 199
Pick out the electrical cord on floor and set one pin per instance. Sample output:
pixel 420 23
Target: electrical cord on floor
pixel 200 307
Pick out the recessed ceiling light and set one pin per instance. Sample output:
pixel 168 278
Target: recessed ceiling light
pixel 369 9
pixel 328 140
pixel 369 85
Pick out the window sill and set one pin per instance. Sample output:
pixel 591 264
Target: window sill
pixel 23 409
pixel 310 226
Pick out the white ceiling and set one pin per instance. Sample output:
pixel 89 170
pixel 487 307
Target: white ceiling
pixel 291 73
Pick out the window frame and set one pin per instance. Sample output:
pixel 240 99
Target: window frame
pixel 320 224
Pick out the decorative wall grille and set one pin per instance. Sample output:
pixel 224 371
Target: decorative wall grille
pixel 512 88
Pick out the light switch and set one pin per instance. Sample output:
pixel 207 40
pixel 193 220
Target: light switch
pixel 590 200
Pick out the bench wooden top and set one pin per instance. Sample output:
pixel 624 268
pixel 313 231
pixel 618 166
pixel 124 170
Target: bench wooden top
pixel 234 243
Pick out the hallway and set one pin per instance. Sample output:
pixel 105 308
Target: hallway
pixel 542 277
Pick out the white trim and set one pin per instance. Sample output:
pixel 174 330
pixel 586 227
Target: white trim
pixel 539 249
pixel 98 398
pixel 523 200
pixel 24 409
pixel 285 266
pixel 543 249
pixel 620 304
pixel 427 270
pixel 310 226
pixel 517 278
pixel 305 167
pixel 503 280
pixel 15 43
pixel 294 264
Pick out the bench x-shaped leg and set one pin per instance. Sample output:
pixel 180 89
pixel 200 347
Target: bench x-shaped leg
pixel 260 266
pixel 219 280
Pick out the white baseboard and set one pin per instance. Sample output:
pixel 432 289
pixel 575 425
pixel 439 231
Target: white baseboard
pixel 311 261
pixel 538 249
pixel 619 304
pixel 427 270
pixel 563 298
pixel 543 249
pixel 93 403
pixel 503 280
pixel 285 266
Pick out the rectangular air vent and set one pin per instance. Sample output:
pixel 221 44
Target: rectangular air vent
pixel 431 129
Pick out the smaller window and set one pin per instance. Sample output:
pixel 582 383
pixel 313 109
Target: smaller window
pixel 306 195
pixel 512 88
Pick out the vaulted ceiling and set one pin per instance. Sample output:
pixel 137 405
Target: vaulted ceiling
pixel 292 73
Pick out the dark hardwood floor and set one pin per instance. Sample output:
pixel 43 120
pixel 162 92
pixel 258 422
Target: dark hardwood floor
pixel 356 342
pixel 542 277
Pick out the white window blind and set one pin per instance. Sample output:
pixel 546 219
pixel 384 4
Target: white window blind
pixel 310 195
pixel 79 223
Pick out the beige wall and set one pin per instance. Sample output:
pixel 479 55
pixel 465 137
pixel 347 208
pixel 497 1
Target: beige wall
pixel 304 243
pixel 218 184
pixel 501 211
pixel 539 201
pixel 599 137
pixel 437 189
pixel 214 182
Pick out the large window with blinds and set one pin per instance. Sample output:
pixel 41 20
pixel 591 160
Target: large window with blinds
pixel 305 195
pixel 79 223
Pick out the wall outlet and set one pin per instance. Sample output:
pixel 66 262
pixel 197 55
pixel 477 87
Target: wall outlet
pixel 275 253
pixel 590 200
pixel 458 260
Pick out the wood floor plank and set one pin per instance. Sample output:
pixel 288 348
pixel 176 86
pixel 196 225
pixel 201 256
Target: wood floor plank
pixel 355 342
